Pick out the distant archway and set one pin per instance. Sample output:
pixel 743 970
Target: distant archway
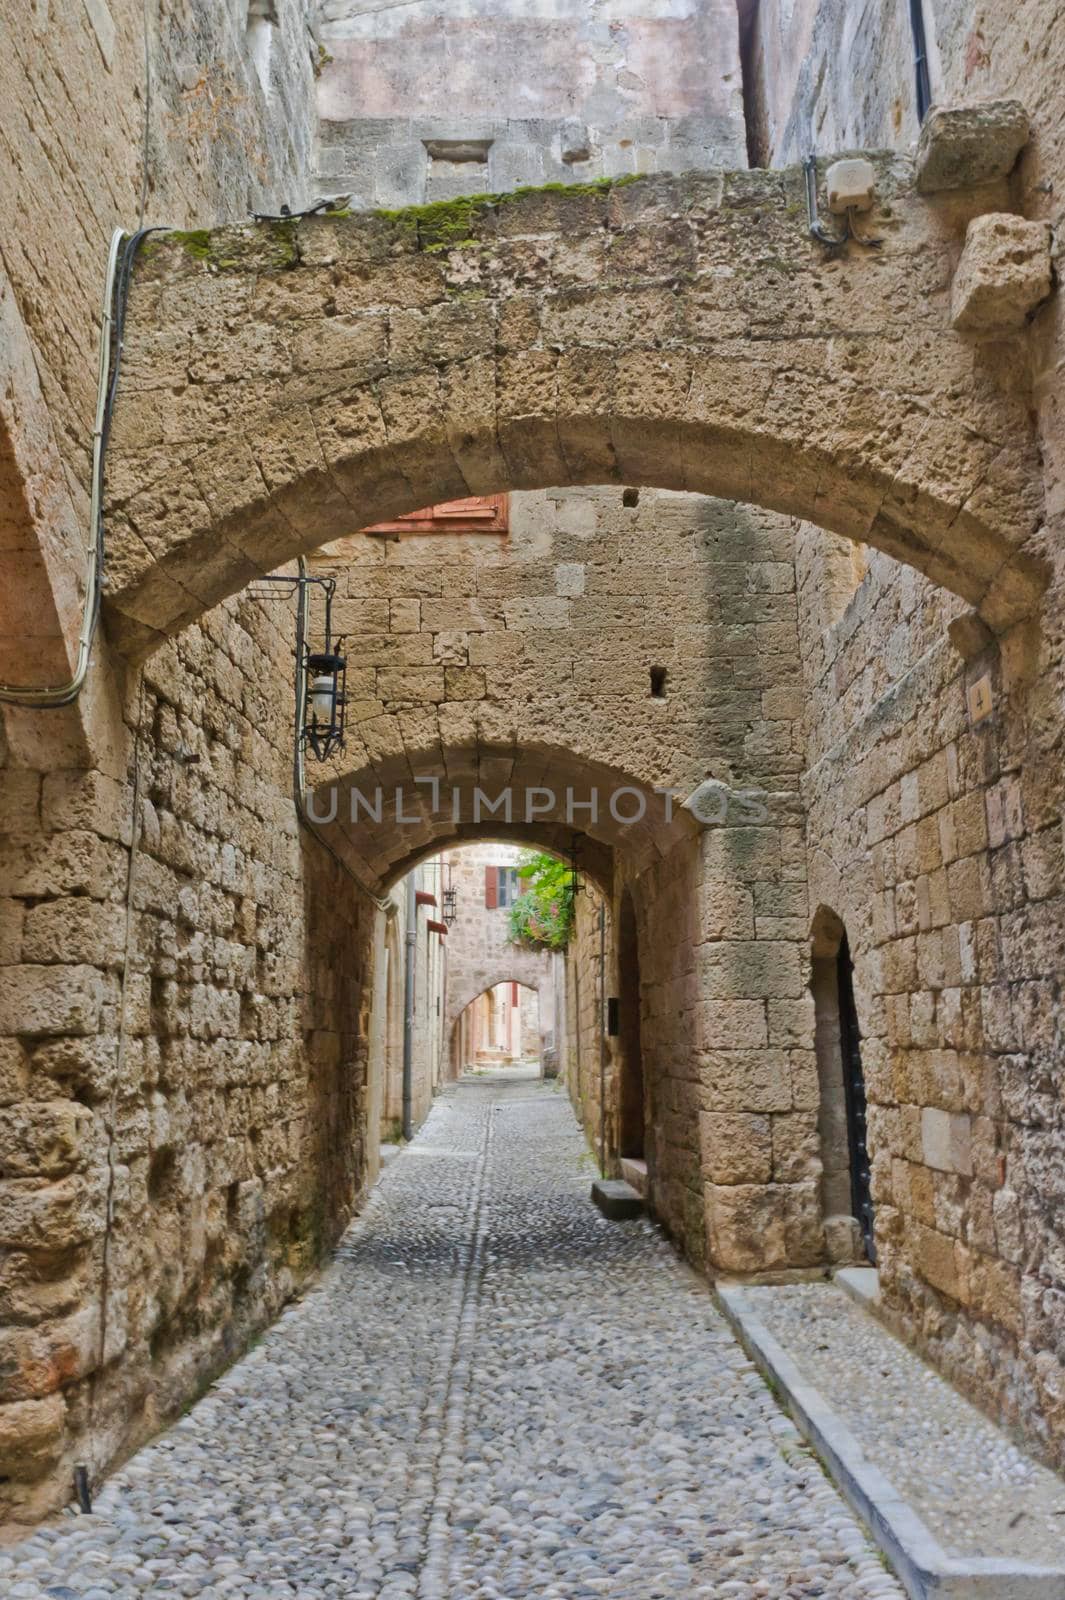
pixel 526 969
pixel 493 1027
pixel 386 817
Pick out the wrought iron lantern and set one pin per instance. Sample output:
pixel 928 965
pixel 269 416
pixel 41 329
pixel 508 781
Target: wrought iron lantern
pixel 450 897
pixel 321 695
pixel 325 699
pixel 577 884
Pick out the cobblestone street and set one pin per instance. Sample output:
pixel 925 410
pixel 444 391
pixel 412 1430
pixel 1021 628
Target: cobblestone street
pixel 493 1393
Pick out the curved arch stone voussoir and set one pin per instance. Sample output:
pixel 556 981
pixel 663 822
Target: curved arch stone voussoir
pixel 526 967
pixel 683 333
pixel 385 817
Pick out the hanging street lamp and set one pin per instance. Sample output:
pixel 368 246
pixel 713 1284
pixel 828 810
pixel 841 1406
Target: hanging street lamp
pixel 321 695
pixel 450 906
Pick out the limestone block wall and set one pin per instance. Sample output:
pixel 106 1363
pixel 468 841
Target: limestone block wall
pixel 586 1066
pixel 429 1028
pixel 939 845
pixel 221 143
pixel 938 842
pixel 531 1031
pixel 560 625
pixel 730 1089
pixel 387 1020
pixel 428 103
pixel 431 955
pixel 181 1083
pixel 556 631
pixel 183 1125
pixel 224 137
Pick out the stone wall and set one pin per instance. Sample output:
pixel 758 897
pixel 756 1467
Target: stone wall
pixel 191 1089
pixel 936 840
pixel 219 144
pixel 184 1089
pixel 426 104
pixel 183 1067
pixel 585 1065
pixel 552 635
pixel 428 1034
pixel 430 988
pixel 553 632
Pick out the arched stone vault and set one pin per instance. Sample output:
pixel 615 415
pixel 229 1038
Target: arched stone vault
pixel 382 821
pixel 287 383
pixel 523 966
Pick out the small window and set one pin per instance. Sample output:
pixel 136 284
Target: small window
pixel 502 886
pixel 509 885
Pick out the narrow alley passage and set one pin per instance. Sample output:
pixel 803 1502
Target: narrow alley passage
pixel 493 1392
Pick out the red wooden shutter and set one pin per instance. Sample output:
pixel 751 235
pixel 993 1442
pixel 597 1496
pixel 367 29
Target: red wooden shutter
pixel 513 994
pixel 491 887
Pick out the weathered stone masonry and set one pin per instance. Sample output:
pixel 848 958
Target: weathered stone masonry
pixel 178 1047
pixel 189 1104
pixel 939 843
pixel 374 364
pixel 751 1089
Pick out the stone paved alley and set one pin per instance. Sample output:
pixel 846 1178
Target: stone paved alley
pixel 493 1392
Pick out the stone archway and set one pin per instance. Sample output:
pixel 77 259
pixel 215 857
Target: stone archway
pixel 289 382
pixel 384 818
pixel 463 1028
pixel 525 967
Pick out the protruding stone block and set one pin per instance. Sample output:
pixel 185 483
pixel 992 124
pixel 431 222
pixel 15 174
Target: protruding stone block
pixel 634 1173
pixel 29 1435
pixel 1003 274
pixel 962 146
pixel 746 1227
pixel 946 1140
pixel 616 1199
pixel 851 184
pixel 737 1147
pixel 576 142
pixel 970 635
pixel 842 1238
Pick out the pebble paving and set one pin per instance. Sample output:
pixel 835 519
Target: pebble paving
pixel 492 1394
pixel 970 1484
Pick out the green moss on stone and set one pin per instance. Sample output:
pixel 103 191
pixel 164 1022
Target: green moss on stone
pixel 448 224
pixel 197 242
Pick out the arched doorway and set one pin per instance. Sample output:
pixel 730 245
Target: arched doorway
pixel 854 1101
pixel 846 1180
pixel 632 1106
pixel 498 1028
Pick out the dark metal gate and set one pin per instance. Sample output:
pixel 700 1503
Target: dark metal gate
pixel 854 1092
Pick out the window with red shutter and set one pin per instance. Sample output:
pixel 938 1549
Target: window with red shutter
pixel 491 887
pixel 487 513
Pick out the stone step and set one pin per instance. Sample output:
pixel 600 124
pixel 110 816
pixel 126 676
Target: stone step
pixel 635 1172
pixel 616 1199
pixel 958 1509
